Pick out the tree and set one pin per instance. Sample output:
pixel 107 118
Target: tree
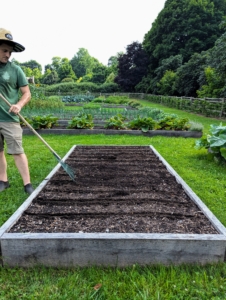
pixel 214 86
pixel 99 73
pixel 189 75
pixel 32 64
pixel 132 66
pixel 65 70
pixel 82 63
pixel 50 77
pixel 170 64
pixel 183 27
pixel 167 83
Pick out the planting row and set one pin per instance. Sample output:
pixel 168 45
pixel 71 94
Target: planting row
pixel 118 121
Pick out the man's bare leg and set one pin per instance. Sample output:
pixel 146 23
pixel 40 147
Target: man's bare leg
pixel 3 167
pixel 22 165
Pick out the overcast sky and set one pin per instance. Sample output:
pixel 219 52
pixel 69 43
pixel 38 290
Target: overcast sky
pixel 59 28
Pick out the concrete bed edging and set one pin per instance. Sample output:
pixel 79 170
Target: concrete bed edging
pixel 150 133
pixel 111 249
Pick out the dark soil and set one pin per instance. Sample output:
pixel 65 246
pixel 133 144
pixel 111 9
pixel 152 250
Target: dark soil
pixel 117 189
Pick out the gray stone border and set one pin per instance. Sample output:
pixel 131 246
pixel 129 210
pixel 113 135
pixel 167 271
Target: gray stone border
pixel 111 249
pixel 150 133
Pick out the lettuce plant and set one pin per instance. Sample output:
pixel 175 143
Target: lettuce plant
pixel 214 142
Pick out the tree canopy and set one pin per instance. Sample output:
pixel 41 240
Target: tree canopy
pixel 132 66
pixel 183 27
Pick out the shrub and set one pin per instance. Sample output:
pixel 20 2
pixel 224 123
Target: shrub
pixel 67 80
pixel 109 88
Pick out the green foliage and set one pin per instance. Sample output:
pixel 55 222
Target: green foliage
pixel 110 78
pixel 91 106
pixel 189 74
pixel 198 106
pixel 100 99
pixel 215 83
pixel 82 63
pixel 117 99
pixel 82 121
pixel 182 28
pixel 50 77
pixel 37 93
pixel 48 103
pixel 108 88
pixel 154 113
pixel 214 142
pixel 143 124
pixel 66 88
pixel 134 104
pixel 167 83
pixel 195 126
pixel 116 122
pixel 78 98
pixel 43 122
pixel 173 123
pixel 67 79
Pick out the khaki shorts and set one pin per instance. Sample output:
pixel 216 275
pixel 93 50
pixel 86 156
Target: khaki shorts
pixel 11 134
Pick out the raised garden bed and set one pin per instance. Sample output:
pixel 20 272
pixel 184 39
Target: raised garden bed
pixel 99 129
pixel 126 206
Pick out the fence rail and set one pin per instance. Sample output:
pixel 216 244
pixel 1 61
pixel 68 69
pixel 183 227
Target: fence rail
pixel 210 107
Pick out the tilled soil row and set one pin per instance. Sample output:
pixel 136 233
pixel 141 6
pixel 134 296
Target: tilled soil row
pixel 117 189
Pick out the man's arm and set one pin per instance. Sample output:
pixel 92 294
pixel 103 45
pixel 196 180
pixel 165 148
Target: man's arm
pixel 25 98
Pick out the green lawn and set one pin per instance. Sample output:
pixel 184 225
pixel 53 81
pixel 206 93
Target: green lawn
pixel 206 178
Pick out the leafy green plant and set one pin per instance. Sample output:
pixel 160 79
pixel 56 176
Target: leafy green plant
pixel 22 123
pixel 134 104
pixel 116 122
pixel 117 99
pixel 99 99
pixel 91 106
pixel 195 126
pixel 78 98
pixel 214 142
pixel 143 124
pixel 42 122
pixel 82 121
pixel 173 123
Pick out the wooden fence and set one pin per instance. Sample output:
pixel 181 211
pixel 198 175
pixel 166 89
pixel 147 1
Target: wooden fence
pixel 209 107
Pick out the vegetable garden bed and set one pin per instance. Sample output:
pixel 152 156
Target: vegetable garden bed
pixel 99 129
pixel 126 206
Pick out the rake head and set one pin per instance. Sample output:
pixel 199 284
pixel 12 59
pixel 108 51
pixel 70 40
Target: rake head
pixel 66 167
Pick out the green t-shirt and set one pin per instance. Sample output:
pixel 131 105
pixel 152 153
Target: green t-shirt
pixel 11 79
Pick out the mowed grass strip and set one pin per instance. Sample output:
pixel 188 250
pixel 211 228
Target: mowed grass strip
pixel 206 178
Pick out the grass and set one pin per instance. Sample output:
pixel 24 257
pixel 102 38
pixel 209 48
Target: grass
pixel 135 283
pixel 206 178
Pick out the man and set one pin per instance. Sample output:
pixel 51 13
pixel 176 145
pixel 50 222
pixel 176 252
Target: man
pixel 12 80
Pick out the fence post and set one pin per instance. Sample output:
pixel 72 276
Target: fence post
pixel 222 108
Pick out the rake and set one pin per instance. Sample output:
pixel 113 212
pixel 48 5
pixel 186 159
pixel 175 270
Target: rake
pixel 66 168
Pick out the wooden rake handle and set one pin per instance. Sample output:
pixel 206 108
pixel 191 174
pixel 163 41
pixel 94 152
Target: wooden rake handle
pixel 31 128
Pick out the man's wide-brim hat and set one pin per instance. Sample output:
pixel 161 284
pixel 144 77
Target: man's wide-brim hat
pixel 6 35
